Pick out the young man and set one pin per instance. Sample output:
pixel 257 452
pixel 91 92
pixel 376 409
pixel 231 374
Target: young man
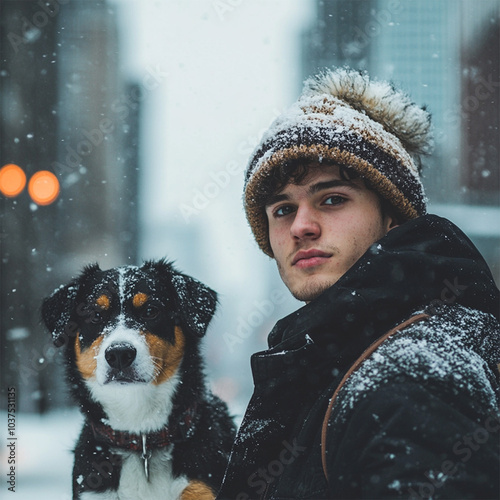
pixel 385 384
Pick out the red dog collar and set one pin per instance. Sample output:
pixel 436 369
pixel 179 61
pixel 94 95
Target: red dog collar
pixel 158 439
pixel 145 443
pixel 129 440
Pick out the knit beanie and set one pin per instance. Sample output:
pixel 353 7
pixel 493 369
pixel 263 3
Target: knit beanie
pixel 343 117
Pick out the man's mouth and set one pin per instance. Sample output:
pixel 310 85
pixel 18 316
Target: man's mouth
pixel 310 258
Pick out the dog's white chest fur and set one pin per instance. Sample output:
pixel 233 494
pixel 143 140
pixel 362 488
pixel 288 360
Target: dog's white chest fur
pixel 135 486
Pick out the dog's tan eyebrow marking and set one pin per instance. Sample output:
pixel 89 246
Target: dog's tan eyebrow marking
pixel 103 302
pixel 139 299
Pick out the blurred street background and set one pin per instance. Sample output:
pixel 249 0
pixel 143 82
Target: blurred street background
pixel 126 126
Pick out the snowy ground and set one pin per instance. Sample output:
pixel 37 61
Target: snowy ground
pixel 43 455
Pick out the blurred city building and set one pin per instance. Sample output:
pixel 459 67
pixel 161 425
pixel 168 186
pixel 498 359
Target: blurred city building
pixel 67 109
pixel 446 56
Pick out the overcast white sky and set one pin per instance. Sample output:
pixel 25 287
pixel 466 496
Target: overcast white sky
pixel 225 70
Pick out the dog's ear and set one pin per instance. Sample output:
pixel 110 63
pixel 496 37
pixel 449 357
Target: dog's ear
pixel 196 303
pixel 56 313
pixel 56 309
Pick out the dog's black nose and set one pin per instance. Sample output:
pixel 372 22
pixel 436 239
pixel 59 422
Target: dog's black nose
pixel 120 356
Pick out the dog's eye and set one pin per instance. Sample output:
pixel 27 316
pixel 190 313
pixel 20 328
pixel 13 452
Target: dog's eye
pixel 150 312
pixel 96 317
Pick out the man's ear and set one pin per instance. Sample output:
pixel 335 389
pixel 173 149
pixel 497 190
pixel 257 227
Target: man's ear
pixel 56 313
pixel 392 223
pixel 196 303
pixel 390 219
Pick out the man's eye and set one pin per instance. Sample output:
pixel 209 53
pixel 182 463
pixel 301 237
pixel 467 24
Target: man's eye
pixel 334 200
pixel 283 210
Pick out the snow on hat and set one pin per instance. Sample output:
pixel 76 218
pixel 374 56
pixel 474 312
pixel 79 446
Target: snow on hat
pixel 343 117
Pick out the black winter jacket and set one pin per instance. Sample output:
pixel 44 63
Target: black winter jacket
pixel 419 419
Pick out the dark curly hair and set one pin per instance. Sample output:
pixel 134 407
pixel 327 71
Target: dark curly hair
pixel 295 171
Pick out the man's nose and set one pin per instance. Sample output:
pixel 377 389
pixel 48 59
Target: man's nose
pixel 305 224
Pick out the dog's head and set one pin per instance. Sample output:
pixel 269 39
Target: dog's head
pixel 129 324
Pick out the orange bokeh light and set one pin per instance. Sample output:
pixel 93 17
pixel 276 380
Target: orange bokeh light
pixel 12 180
pixel 43 187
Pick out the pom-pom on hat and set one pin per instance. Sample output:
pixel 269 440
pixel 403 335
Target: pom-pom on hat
pixel 344 118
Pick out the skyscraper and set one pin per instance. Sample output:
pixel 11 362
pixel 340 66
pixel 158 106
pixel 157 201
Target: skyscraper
pixel 445 55
pixel 66 109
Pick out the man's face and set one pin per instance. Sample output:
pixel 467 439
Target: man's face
pixel 319 228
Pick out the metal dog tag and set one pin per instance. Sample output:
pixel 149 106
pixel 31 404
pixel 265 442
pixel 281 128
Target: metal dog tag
pixel 146 455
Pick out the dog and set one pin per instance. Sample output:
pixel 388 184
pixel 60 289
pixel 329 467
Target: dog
pixel 131 337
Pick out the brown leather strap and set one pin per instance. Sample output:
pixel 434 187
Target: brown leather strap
pixel 354 367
